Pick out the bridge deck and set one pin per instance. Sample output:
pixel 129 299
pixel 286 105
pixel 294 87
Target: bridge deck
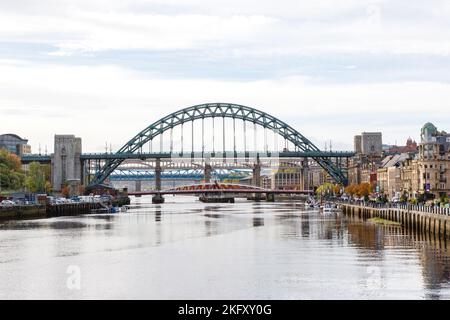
pixel 213 191
pixel 197 155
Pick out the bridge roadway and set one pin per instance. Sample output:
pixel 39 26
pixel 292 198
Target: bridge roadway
pixel 215 191
pixel 196 155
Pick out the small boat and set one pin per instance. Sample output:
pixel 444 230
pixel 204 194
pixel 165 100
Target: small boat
pixel 311 203
pixel 329 208
pixel 114 210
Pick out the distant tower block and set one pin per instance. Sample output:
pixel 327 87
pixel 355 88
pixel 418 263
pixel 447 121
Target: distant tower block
pixel 66 161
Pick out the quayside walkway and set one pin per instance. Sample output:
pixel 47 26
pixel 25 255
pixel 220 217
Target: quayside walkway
pixel 434 220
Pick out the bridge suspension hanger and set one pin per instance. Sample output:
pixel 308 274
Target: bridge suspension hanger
pixel 255 131
pixel 171 139
pixel 182 142
pixel 192 140
pixel 161 140
pixel 234 139
pixel 275 140
pixel 265 140
pixel 223 136
pixel 245 139
pixel 214 150
pixel 203 137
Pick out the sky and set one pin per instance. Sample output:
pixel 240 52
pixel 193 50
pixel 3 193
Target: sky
pixel 104 70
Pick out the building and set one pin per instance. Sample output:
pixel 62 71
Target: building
pixel 369 149
pixel 409 175
pixel 389 175
pixel 316 176
pixel 369 143
pixel 434 162
pixel 357 144
pixel 426 172
pixel 290 176
pixel 372 143
pixel 363 168
pixel 14 144
pixel 411 146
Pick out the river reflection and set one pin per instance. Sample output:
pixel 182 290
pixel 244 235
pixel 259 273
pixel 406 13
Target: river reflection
pixel 185 249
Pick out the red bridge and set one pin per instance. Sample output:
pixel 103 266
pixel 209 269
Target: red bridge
pixel 214 188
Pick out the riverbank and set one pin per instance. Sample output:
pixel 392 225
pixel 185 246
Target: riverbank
pixel 47 211
pixel 434 221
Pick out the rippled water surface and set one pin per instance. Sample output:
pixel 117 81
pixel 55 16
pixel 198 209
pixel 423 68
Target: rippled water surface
pixel 185 249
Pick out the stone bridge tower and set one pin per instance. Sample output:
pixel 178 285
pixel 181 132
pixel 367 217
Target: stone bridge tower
pixel 66 162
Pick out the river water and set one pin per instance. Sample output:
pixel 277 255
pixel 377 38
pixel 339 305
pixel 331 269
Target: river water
pixel 185 249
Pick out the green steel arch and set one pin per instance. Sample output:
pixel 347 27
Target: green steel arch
pixel 213 110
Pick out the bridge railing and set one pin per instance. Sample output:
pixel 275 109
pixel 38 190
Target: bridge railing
pixel 219 154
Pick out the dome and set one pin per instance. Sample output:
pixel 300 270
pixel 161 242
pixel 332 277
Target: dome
pixel 430 127
pixel 427 131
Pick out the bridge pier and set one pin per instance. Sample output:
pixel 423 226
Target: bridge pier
pixel 257 177
pixel 66 161
pixel 208 170
pixel 138 185
pixel 158 198
pixel 305 174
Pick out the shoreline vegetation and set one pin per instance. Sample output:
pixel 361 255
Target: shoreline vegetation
pixel 384 222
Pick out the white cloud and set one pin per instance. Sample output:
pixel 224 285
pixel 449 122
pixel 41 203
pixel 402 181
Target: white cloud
pixel 68 86
pixel 249 27
pixel 107 103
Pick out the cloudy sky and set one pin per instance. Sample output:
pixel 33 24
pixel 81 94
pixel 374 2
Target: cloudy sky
pixel 105 69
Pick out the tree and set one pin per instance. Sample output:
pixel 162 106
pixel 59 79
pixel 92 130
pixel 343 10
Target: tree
pixel 444 199
pixel 383 198
pixel 11 175
pixel 421 198
pixel 337 189
pixel 327 189
pixel 48 187
pixel 38 178
pixel 65 191
pixel 364 190
pixel 404 197
pixel 351 190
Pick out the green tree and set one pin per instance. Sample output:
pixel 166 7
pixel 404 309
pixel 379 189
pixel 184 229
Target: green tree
pixel 383 198
pixel 444 199
pixel 421 198
pixel 404 197
pixel 11 175
pixel 337 189
pixel 38 176
pixel 327 189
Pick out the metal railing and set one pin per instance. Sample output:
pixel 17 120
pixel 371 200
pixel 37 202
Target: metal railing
pixel 407 207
